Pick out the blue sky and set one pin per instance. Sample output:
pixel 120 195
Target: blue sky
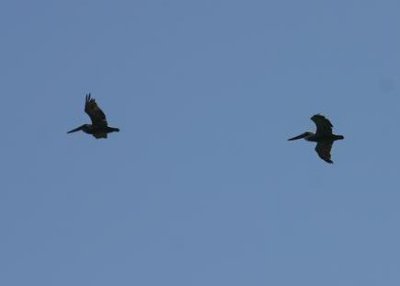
pixel 201 186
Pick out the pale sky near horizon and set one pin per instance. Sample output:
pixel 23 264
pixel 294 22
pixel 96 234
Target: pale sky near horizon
pixel 201 186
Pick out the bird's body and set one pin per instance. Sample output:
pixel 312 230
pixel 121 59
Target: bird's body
pixel 309 136
pixel 323 137
pixel 99 127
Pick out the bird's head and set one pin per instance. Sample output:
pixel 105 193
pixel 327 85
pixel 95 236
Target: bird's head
pixel 83 127
pixel 304 135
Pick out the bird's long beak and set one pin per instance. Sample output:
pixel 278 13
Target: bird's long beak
pixel 298 137
pixel 76 129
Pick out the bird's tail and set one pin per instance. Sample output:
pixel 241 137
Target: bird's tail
pixel 339 137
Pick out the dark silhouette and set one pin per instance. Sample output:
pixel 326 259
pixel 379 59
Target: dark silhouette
pixel 323 136
pixel 99 127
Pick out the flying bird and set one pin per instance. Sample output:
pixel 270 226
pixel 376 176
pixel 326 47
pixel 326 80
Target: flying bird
pixel 323 136
pixel 99 127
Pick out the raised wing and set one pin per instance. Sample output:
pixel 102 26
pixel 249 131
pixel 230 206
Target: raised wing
pixel 95 113
pixel 324 150
pixel 324 126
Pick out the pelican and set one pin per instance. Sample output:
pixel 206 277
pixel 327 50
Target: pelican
pixel 99 127
pixel 323 136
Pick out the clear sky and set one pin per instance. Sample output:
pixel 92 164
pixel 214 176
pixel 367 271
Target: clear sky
pixel 201 186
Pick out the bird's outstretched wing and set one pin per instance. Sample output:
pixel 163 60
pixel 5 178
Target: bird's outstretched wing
pixel 324 150
pixel 95 113
pixel 324 126
pixel 98 135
